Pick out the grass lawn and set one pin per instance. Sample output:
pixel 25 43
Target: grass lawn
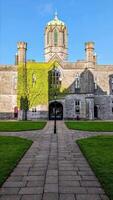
pixel 21 125
pixel 11 151
pixel 90 125
pixel 99 153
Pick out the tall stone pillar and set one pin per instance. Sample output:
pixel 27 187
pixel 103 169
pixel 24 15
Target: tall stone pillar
pixel 89 49
pixel 22 48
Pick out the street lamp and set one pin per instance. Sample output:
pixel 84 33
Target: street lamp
pixel 56 79
pixel 55 115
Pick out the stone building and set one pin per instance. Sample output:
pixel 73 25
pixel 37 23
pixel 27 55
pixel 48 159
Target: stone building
pixel 81 89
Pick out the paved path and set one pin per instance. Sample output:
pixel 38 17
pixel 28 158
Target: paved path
pixel 52 169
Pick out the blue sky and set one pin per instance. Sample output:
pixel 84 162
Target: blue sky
pixel 87 20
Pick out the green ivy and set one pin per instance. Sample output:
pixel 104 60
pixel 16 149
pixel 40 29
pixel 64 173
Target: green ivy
pixel 33 84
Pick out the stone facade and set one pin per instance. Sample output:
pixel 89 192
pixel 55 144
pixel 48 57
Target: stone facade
pixel 8 91
pixel 89 84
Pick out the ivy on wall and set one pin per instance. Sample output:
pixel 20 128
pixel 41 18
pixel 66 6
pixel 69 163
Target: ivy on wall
pixel 33 84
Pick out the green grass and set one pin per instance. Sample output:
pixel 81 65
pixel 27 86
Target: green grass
pixel 11 151
pixel 90 126
pixel 99 153
pixel 21 125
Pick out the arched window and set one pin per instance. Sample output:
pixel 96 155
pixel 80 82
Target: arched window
pixel 77 82
pixel 47 38
pixel 56 77
pixel 55 37
pixel 64 38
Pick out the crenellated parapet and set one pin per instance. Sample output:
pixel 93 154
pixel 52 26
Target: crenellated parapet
pixel 21 55
pixel 90 52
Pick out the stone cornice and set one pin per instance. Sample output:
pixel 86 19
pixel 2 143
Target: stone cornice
pixel 8 67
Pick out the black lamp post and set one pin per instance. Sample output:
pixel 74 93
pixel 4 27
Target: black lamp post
pixel 55 115
pixel 56 75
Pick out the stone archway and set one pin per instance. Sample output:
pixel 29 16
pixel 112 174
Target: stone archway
pixel 59 110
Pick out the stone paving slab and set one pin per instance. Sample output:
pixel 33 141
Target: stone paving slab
pixel 53 168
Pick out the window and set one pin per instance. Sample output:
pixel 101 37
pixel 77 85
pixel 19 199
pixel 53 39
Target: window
pixel 55 37
pixel 112 109
pixel 77 82
pixel 77 110
pixel 77 102
pixel 33 79
pixel 33 109
pixel 56 77
pixel 47 38
pixel 77 106
pixel 63 38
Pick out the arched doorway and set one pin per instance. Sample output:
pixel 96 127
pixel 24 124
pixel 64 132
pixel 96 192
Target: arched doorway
pixel 95 112
pixel 59 110
pixel 15 112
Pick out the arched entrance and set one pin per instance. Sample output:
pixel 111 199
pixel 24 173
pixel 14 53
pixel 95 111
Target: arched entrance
pixel 95 112
pixel 15 112
pixel 59 110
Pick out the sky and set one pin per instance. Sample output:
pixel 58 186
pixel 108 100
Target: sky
pixel 87 20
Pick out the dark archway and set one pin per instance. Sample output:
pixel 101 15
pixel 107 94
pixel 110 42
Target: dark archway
pixel 59 111
pixel 15 112
pixel 95 112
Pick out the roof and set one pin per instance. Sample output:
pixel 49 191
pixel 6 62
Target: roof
pixel 56 21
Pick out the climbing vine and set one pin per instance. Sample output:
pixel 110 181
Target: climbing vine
pixel 34 84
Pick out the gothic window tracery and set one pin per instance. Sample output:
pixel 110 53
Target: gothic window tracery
pixel 64 38
pixel 55 37
pixel 55 77
pixel 48 37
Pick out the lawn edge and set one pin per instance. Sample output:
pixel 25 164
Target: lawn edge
pixel 91 166
pixel 18 159
pixel 78 129
pixel 35 129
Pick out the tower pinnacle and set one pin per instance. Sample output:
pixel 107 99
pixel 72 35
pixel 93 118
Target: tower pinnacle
pixel 56 39
pixel 56 15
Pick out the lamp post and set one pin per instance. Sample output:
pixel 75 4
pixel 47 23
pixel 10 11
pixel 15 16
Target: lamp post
pixel 55 115
pixel 56 76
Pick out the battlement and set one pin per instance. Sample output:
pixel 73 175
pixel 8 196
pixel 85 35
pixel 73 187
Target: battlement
pixel 89 45
pixel 22 45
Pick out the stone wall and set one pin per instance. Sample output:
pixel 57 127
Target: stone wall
pixel 99 74
pixel 8 91
pixel 105 105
